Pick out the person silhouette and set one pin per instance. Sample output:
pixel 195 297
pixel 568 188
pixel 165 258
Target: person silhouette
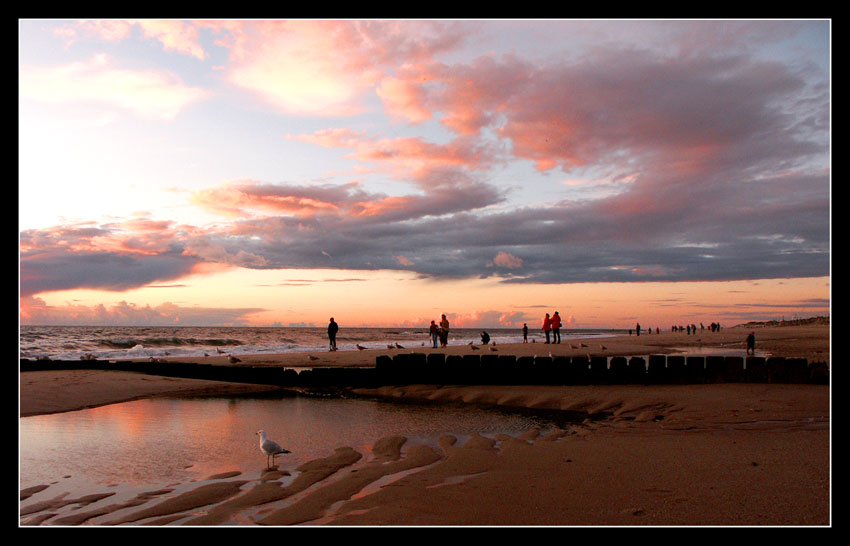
pixel 333 328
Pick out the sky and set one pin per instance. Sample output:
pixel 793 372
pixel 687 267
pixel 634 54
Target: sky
pixel 384 172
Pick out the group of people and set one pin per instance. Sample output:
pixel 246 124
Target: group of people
pixel 692 328
pixel 638 330
pixel 440 332
pixel 550 324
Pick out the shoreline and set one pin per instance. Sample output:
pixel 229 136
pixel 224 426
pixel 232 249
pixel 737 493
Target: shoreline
pixel 719 454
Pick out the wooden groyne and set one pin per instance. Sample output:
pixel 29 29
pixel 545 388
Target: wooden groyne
pixel 438 368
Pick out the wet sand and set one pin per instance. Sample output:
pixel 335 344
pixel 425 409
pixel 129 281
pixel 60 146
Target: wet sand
pixel 682 455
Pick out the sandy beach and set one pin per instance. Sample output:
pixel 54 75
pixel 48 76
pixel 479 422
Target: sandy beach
pixel 665 455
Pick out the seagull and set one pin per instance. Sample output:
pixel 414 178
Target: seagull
pixel 234 360
pixel 399 346
pixel 360 347
pixel 219 351
pixel 604 348
pixel 583 345
pixel 270 448
pixel 390 347
pixel 311 357
pixel 573 346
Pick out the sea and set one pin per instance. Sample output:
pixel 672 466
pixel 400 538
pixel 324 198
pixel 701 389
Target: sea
pixel 134 342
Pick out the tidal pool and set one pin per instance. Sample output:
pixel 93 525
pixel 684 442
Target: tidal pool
pixel 163 440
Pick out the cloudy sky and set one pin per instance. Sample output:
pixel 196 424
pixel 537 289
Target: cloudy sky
pixel 261 172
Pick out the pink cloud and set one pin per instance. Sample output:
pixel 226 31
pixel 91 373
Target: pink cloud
pixel 35 311
pixel 404 98
pixel 506 259
pixel 174 35
pixel 145 93
pixel 409 157
pixel 239 199
pixel 326 67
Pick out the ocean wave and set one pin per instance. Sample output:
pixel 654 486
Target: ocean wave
pixel 167 342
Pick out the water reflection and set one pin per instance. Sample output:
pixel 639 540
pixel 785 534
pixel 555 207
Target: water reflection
pixel 162 440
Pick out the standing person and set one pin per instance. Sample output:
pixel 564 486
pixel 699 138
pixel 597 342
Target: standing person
pixel 435 332
pixel 444 332
pixel 751 343
pixel 333 328
pixel 525 332
pixel 547 325
pixel 637 329
pixel 556 328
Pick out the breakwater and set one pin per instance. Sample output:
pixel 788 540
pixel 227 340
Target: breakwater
pixel 438 368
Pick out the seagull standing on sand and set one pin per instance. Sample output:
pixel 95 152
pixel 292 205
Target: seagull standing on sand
pixel 270 448
pixel 360 347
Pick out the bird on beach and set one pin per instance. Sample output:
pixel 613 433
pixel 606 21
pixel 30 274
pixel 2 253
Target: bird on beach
pixel 473 347
pixel 311 357
pixel 573 346
pixel 604 348
pixel 493 349
pixel 270 448
pixel 389 346
pixel 360 347
pixel 398 346
pixel 583 345
pixel 233 359
pixel 219 351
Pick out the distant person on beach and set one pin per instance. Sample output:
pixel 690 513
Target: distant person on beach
pixel 485 338
pixel 751 343
pixel 525 332
pixel 637 329
pixel 333 328
pixel 435 333
pixel 556 328
pixel 547 325
pixel 444 332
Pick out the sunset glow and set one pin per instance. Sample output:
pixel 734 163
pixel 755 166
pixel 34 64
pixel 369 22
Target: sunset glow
pixel 265 173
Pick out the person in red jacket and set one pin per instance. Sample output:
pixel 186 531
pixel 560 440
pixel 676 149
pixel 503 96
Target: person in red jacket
pixel 547 325
pixel 556 328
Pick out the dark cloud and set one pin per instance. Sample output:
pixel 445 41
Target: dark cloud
pixel 65 269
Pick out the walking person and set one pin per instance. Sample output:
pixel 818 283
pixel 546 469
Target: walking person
pixel 751 343
pixel 444 332
pixel 525 332
pixel 547 325
pixel 556 328
pixel 333 328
